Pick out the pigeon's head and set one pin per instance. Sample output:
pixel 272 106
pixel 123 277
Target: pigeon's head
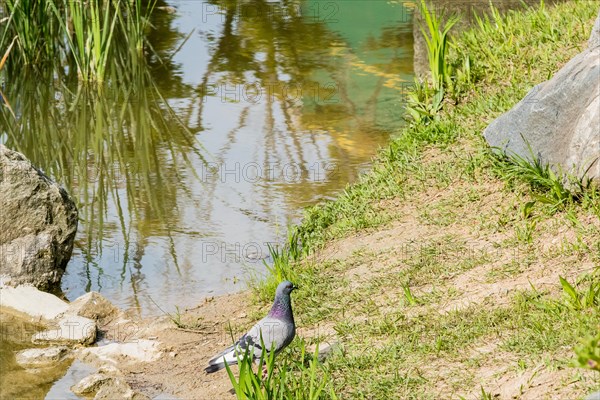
pixel 285 288
pixel 282 306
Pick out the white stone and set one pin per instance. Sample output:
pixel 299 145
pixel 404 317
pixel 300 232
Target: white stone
pixel 69 329
pixel 39 358
pixel 33 302
pixel 137 350
pixel 94 306
pixel 90 384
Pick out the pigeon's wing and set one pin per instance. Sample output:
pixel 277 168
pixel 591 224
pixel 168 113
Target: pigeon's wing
pixel 276 334
pixel 249 343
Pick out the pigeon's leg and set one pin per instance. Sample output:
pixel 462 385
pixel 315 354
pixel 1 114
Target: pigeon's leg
pixel 265 372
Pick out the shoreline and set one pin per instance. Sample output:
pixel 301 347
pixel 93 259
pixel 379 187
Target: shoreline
pixel 430 276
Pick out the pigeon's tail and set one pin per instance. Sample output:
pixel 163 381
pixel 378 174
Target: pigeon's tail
pixel 218 362
pixel 214 368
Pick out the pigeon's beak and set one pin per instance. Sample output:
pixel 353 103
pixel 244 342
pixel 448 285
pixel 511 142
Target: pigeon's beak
pixel 294 287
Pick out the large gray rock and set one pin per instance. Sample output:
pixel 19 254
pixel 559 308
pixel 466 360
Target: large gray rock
pixel 559 119
pixel 593 396
pixel 595 36
pixel 38 222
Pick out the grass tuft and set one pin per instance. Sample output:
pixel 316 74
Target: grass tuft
pixel 296 376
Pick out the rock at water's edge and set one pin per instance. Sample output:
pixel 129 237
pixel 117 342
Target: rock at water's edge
pixel 91 384
pixel 595 36
pixel 32 302
pixel 106 386
pixel 118 389
pixel 68 328
pixel 94 306
pixel 38 222
pixel 138 350
pixel 40 358
pixel 65 323
pixel 558 121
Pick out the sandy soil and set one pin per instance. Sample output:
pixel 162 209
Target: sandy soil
pixel 179 371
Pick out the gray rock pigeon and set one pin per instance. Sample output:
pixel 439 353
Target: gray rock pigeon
pixel 278 330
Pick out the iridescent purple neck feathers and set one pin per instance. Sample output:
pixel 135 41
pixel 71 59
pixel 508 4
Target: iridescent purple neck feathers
pixel 282 309
pixel 282 306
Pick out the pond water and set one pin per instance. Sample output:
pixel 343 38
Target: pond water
pixel 268 107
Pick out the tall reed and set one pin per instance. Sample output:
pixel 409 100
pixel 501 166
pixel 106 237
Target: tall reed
pixel 435 32
pixel 32 24
pixel 91 36
pixel 426 99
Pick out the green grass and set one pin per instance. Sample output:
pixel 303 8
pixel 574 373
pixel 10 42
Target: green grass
pixel 478 220
pixel 298 376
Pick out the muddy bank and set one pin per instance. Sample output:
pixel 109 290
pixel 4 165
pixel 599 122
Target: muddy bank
pixel 185 352
pixel 149 358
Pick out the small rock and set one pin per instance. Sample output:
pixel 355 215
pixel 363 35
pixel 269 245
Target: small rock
pixel 327 350
pixel 115 353
pixel 69 329
pixel 91 384
pixel 40 358
pixel 94 306
pixel 118 389
pixel 109 370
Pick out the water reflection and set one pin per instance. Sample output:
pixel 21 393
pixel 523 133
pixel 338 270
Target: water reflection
pixel 251 111
pixel 117 151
